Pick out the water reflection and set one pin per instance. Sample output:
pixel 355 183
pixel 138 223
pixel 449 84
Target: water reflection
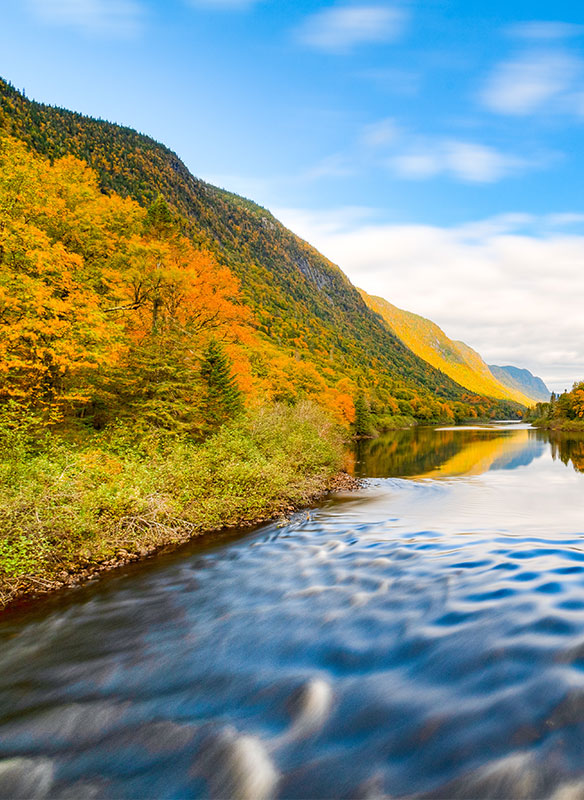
pixel 567 446
pixel 447 452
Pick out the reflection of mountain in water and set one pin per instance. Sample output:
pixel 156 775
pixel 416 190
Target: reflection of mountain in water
pixel 435 453
pixel 533 448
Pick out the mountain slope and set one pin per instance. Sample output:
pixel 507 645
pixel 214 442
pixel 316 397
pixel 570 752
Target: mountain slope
pixel 302 303
pixel 522 380
pixel 456 359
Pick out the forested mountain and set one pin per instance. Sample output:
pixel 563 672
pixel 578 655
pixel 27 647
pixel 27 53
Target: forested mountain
pixel 309 331
pixel 456 359
pixel 522 380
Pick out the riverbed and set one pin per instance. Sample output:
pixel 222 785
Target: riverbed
pixel 423 637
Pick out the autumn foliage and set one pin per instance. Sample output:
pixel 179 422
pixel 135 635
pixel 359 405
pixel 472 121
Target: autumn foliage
pixel 97 298
pixel 107 309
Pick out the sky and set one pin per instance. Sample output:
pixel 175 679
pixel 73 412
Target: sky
pixel 431 148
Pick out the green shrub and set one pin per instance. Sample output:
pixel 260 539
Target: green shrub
pixel 69 499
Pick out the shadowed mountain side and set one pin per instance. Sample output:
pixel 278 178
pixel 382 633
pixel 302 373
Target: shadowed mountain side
pixel 456 359
pixel 522 380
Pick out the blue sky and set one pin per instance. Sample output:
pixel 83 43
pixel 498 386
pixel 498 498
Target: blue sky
pixel 431 148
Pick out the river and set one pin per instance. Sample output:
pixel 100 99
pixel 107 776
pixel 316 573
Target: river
pixel 423 637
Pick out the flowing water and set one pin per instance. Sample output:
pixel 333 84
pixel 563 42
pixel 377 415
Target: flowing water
pixel 423 637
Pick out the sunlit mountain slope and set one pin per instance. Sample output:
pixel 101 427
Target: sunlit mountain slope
pixel 456 359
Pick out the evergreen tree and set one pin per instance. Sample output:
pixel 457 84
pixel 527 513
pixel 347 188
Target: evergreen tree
pixel 363 422
pixel 222 398
pixel 159 220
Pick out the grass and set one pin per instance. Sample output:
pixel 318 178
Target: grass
pixel 72 502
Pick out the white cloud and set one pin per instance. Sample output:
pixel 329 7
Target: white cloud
pixel 532 81
pixel 417 163
pixel 561 220
pixel 417 157
pixel 477 163
pixel 340 28
pixel 497 284
pixel 469 162
pixel 541 30
pixel 117 18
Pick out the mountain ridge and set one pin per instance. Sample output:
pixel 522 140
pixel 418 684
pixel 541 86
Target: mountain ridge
pixel 302 302
pixel 523 380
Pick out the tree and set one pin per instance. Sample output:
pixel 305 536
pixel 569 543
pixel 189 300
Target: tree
pixel 577 395
pixel 222 398
pixel 363 422
pixel 53 332
pixel 159 220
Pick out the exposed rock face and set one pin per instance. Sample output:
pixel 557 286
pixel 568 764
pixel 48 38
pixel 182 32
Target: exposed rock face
pixel 318 277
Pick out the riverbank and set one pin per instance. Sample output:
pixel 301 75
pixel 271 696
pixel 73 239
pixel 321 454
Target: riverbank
pixel 72 510
pixel 560 425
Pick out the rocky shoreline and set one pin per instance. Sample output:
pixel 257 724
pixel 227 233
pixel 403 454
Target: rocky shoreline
pixel 30 588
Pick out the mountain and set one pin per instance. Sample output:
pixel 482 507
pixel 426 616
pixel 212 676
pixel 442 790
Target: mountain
pixel 456 359
pixel 523 381
pixel 302 304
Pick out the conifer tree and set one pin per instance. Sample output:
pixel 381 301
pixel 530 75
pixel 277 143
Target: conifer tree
pixel 363 422
pixel 222 397
pixel 159 220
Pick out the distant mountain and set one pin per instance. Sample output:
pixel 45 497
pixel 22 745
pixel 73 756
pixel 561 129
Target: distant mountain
pixel 523 381
pixel 456 359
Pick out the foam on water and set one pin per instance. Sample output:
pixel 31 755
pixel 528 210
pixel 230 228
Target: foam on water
pixel 310 707
pixel 237 767
pixel 26 778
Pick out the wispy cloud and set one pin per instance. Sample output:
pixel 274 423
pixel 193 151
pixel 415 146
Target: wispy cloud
pixel 469 162
pixel 334 166
pixel 224 5
pixel 538 30
pixel 110 18
pixel 266 190
pixel 341 28
pixel 393 80
pixel 496 289
pixel 407 154
pixel 531 82
pixel 381 134
pixel 565 219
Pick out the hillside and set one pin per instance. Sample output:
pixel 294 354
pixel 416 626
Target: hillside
pixel 456 359
pixel 523 381
pixel 302 304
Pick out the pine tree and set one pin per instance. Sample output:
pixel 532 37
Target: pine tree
pixel 363 422
pixel 159 220
pixel 222 398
